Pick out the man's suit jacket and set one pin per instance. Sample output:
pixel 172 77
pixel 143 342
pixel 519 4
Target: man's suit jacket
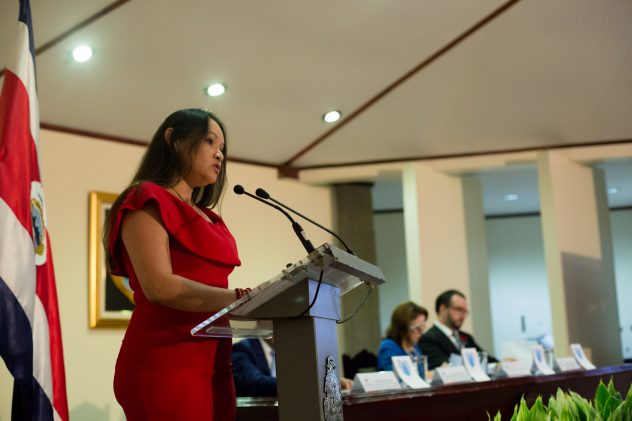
pixel 251 371
pixel 437 346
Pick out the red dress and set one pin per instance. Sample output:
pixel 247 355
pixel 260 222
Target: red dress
pixel 162 372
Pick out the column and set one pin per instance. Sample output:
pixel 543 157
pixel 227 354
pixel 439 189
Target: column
pixel 445 242
pixel 578 254
pixel 354 222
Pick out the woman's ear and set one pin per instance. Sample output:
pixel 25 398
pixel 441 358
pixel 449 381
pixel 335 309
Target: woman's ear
pixel 168 136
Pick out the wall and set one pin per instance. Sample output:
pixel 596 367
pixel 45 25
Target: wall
pixel 391 256
pixel 516 269
pixel 621 221
pixel 72 166
pixel 517 279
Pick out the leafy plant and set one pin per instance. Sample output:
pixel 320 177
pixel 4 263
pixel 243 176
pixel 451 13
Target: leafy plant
pixel 607 405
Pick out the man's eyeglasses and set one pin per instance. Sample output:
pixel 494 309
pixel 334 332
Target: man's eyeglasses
pixel 460 310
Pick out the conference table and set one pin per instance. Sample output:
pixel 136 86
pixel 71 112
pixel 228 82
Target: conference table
pixel 466 401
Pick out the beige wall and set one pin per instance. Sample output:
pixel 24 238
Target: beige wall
pixel 437 218
pixel 71 167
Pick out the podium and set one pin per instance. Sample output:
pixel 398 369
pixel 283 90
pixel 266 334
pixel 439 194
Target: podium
pixel 305 339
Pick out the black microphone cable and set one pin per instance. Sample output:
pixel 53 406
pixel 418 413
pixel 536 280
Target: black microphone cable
pixel 298 230
pixel 261 194
pixel 265 195
pixel 371 288
pixel 320 281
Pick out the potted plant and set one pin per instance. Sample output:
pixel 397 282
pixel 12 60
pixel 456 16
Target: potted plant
pixel 607 405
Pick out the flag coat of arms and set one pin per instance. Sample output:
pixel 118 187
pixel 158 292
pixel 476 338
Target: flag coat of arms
pixel 30 335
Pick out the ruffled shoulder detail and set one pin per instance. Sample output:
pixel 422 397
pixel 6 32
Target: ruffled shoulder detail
pixel 212 242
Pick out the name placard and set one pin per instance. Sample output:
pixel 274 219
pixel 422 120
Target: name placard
pixel 539 362
pixel 581 358
pixel 515 369
pixel 567 364
pixel 472 364
pixel 373 382
pixel 451 375
pixel 408 373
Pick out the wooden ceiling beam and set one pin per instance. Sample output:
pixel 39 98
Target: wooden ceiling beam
pixel 91 19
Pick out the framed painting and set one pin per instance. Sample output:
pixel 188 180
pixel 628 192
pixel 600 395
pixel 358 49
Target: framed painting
pixel 111 301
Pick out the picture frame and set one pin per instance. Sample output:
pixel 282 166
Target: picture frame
pixel 111 300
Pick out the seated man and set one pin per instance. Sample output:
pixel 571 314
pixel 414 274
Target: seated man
pixel 254 368
pixel 445 338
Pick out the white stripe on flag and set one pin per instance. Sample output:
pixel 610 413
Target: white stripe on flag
pixel 17 260
pixel 41 350
pixel 22 66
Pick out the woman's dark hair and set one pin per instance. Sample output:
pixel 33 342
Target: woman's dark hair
pixel 401 318
pixel 166 161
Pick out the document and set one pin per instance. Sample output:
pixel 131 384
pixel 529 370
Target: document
pixel 473 365
pixel 540 366
pixel 581 358
pixel 451 375
pixel 408 373
pixel 373 382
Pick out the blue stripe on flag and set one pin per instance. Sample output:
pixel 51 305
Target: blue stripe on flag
pixel 29 399
pixel 26 18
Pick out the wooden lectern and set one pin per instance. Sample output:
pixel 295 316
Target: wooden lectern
pixel 305 341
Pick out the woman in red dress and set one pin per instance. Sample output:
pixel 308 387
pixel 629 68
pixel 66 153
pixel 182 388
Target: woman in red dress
pixel 177 254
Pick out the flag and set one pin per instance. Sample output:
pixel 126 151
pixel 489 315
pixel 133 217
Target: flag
pixel 30 334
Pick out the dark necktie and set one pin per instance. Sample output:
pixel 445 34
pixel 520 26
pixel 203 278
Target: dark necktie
pixel 457 339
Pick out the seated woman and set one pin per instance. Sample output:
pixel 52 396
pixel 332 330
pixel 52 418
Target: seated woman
pixel 407 324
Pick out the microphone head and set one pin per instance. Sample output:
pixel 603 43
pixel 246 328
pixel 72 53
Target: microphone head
pixel 239 189
pixel 262 193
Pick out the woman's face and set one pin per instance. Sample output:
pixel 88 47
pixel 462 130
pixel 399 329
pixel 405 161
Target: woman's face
pixel 208 158
pixel 416 328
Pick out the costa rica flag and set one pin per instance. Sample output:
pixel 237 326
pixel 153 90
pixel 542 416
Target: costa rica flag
pixel 30 334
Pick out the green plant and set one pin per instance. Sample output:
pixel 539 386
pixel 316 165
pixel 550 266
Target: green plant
pixel 607 405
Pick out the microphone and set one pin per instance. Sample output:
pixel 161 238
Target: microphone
pixel 239 189
pixel 264 195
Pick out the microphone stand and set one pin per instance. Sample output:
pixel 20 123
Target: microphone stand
pixel 298 230
pixel 265 195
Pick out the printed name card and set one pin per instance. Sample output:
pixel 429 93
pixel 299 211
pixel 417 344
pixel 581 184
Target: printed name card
pixel 567 364
pixel 515 369
pixel 408 373
pixel 539 362
pixel 451 375
pixel 581 358
pixel 373 382
pixel 472 364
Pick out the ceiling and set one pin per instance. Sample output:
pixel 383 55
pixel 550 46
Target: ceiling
pixel 413 78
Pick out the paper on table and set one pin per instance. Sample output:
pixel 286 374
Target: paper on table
pixel 372 382
pixel 539 362
pixel 581 358
pixel 408 373
pixel 473 364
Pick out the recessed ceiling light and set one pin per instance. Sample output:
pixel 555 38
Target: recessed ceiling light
pixel 511 197
pixel 613 190
pixel 332 116
pixel 215 89
pixel 82 53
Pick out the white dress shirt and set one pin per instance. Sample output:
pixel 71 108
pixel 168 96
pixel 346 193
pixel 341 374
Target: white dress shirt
pixel 269 353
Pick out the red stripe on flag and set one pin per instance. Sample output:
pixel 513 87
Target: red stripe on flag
pixel 19 169
pixel 47 294
pixel 18 156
